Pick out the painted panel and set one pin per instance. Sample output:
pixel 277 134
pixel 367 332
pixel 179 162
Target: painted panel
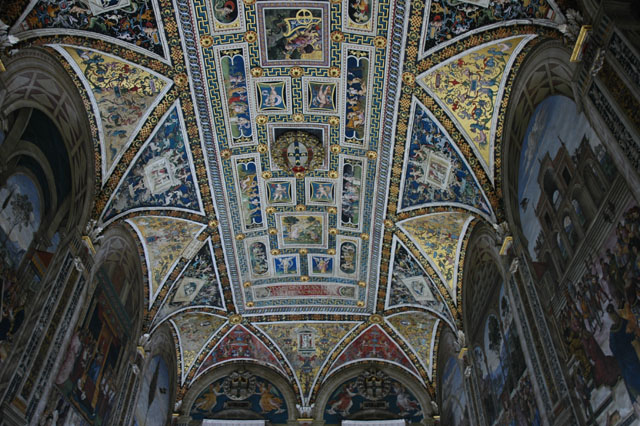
pixel 455 402
pixel 273 95
pixel 164 240
pixel 197 285
pixel 469 88
pixel 350 398
pixel 246 171
pixel 291 290
pixel 239 343
pixel 124 95
pixel 306 346
pixel 352 186
pixel 357 87
pixel 295 33
pixel 19 219
pixel 194 332
pixel 418 329
pixel 134 23
pixel 264 399
pixel 435 172
pixel 162 174
pixel 320 95
pixel 301 230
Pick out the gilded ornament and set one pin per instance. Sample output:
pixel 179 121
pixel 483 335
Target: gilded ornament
pixel 379 42
pixel 249 304
pixel 299 175
pixel 360 303
pixel 364 236
pixel 332 210
pixel 376 319
pixel 372 155
pixel 206 41
pixel 296 72
pixel 240 237
pixel 225 153
pixel 247 284
pixel 213 223
pixel 388 223
pixel 333 231
pixel 271 210
pixel 336 149
pixel 275 252
pixel 298 118
pixel 249 2
pixel 333 174
pixel 334 72
pixel 303 251
pixel 304 278
pixel 181 80
pixel 331 251
pixel 409 78
pixel 334 121
pixel 301 208
pixel 362 283
pixel 236 318
pixel 337 36
pixel 250 36
pixel 262 148
pixel 256 72
pixel 273 231
pixel 261 120
pixel 297 151
pixel 266 174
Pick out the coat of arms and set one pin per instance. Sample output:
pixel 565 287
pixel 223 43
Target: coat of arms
pixel 298 151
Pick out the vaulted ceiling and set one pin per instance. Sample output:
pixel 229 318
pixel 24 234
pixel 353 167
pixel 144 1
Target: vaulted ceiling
pixel 301 175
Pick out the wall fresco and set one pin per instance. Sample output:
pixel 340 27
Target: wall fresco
pixel 263 398
pixel 417 328
pixel 351 397
pixel 448 19
pixel 134 23
pixel 153 399
pixel 468 88
pixel 437 236
pixel 455 402
pixel 164 239
pixel 239 343
pixel 161 176
pixel 197 285
pixel 194 330
pixel 306 346
pixel 374 343
pixel 435 171
pixel 124 94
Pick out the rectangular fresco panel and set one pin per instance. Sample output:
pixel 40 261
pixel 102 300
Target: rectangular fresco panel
pixel 301 230
pixel 351 190
pixel 359 16
pixel 356 78
pixel 249 195
pixel 232 74
pixel 284 291
pixel 258 257
pixel 348 257
pixel 295 33
pixel 228 15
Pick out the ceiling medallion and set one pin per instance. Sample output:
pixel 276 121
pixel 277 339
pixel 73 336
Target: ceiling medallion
pixel 334 121
pixel 213 223
pixel 246 284
pixel 297 151
pixel 275 252
pixel 256 72
pixel 296 72
pixel 181 79
pixel 298 117
pixel 372 155
pixel 332 210
pixel 301 208
pixel 236 318
pixel 239 385
pixel 362 283
pixel 206 41
pixel 333 174
pixel 334 72
pixel 331 251
pixel 250 36
pixel 225 153
pixel 379 42
pixel 409 78
pixel 337 36
pixel 261 119
pixel 249 2
pixel 303 251
pixel 376 319
pixel 266 174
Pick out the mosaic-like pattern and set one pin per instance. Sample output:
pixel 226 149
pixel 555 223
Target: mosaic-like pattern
pixel 162 174
pixel 132 22
pixel 164 240
pixel 194 331
pixel 124 95
pixel 438 237
pixel 469 88
pixel 306 346
pixel 417 328
pixel 448 19
pixel 238 344
pixel 435 171
pixel 410 285
pixel 374 343
pixel 198 285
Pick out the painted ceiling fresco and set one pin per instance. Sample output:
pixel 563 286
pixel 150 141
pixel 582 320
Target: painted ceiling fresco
pixel 302 176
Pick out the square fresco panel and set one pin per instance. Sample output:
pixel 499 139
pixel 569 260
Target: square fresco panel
pixel 273 95
pixel 281 192
pixel 320 192
pixel 295 33
pixel 301 230
pixel 320 95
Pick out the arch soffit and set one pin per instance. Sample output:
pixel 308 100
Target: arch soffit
pixel 35 79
